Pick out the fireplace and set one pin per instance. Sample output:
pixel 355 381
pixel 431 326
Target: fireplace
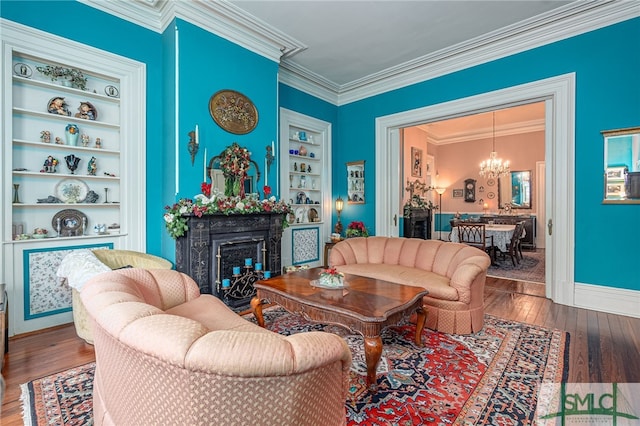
pixel 215 244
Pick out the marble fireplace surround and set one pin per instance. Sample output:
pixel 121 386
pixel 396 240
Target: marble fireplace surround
pixel 214 244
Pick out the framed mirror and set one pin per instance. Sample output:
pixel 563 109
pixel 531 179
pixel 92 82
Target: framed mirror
pixel 355 182
pixel 622 166
pixel 218 180
pixel 514 189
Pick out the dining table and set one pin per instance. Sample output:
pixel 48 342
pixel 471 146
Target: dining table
pixel 501 235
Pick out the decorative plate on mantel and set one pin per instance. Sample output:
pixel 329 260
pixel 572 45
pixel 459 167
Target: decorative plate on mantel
pixel 233 111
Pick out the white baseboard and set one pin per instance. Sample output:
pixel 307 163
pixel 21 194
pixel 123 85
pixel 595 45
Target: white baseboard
pixel 608 299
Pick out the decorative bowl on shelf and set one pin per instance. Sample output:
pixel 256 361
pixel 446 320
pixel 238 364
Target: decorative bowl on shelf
pixel 40 233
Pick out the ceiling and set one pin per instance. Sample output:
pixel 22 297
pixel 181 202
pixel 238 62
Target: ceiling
pixel 347 41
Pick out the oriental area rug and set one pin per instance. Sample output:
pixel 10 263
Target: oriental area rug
pixel 531 268
pixel 488 378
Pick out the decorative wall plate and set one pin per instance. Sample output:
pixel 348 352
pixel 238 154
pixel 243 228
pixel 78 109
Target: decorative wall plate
pixel 491 182
pixel 300 214
pixel 491 195
pixel 72 190
pixel 70 222
pixel 291 218
pixel 23 70
pixel 112 91
pixel 233 111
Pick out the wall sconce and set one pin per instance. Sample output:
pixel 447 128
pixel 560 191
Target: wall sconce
pixel 193 144
pixel 339 207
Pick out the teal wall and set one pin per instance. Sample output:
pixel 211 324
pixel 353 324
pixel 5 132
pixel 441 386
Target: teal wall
pixel 207 64
pixel 608 97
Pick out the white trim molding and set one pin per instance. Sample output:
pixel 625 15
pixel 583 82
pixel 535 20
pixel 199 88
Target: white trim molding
pixel 559 95
pixel 613 300
pixel 234 24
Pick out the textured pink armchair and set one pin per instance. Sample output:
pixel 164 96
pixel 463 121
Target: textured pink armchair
pixel 453 273
pixel 167 355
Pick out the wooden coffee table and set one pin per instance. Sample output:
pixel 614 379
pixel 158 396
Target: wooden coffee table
pixel 365 306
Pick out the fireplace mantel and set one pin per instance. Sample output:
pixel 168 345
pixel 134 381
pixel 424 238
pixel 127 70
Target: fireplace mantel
pixel 215 243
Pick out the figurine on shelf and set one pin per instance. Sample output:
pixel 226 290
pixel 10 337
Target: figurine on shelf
pixel 58 106
pixel 49 165
pixel 84 139
pixel 86 111
pixel 98 143
pixel 92 167
pixel 72 162
pixel 59 141
pixel 91 197
pixel 45 136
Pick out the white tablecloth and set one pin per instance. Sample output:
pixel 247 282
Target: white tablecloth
pixel 501 235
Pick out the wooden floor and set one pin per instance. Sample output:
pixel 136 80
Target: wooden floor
pixel 603 347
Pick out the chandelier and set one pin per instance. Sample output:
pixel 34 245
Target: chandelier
pixel 494 167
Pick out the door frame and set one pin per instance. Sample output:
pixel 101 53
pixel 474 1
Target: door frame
pixel 558 93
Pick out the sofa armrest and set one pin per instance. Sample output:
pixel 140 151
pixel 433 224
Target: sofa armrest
pixel 466 273
pixel 162 288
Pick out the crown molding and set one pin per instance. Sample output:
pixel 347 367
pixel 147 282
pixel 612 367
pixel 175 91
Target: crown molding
pixel 218 17
pixel 230 22
pixel 573 19
pixel 509 129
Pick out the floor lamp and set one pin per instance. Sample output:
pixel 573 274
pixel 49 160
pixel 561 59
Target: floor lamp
pixel 440 191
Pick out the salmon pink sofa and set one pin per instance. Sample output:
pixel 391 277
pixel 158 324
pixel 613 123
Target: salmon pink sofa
pixel 453 273
pixel 165 354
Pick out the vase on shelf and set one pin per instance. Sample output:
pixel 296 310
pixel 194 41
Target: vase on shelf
pixel 232 186
pixel 16 196
pixel 71 133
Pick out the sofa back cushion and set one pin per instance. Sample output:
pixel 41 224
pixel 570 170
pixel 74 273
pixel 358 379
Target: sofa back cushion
pixel 440 257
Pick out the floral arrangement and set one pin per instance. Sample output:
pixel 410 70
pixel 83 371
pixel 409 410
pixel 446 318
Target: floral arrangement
pixel 210 203
pixel 235 160
pixel 331 276
pixel 357 229
pixel 419 203
pixel 40 231
pixel 74 75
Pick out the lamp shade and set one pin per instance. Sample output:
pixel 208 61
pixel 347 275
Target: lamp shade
pixel 339 204
pixel 440 191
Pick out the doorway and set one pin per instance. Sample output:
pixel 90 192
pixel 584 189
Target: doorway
pixel 456 147
pixel 558 93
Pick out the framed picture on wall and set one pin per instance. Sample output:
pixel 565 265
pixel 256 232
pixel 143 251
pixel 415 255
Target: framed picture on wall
pixel 416 162
pixel 457 193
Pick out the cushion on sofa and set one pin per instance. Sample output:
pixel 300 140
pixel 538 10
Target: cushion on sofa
pixel 200 309
pixel 438 285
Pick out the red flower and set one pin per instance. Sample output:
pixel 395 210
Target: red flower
pixel 206 188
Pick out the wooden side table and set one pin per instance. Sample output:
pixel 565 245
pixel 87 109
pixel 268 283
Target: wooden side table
pixel 328 246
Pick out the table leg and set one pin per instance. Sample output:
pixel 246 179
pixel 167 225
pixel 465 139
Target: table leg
pixel 372 354
pixel 420 320
pixel 256 308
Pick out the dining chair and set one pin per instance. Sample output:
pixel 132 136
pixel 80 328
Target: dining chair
pixel 519 242
pixel 514 244
pixel 475 235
